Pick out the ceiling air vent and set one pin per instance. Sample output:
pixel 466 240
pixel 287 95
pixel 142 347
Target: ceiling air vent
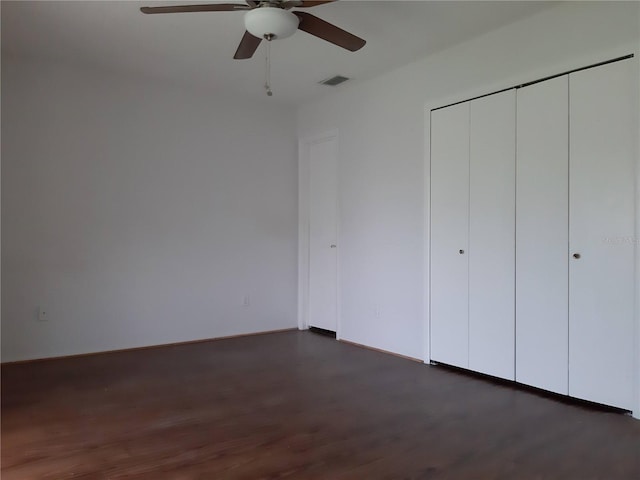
pixel 333 81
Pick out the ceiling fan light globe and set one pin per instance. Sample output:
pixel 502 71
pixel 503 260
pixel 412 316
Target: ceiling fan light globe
pixel 270 21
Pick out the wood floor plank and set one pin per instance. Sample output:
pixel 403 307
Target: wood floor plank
pixel 294 405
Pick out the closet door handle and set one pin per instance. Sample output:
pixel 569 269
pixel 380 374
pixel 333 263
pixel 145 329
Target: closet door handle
pixel 576 256
pixel 461 252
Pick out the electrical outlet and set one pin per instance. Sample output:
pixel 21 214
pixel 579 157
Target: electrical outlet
pixel 376 311
pixel 247 301
pixel 43 314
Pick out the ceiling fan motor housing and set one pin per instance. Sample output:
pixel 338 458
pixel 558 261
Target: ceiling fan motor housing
pixel 270 22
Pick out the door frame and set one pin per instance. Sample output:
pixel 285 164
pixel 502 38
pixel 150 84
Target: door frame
pixel 304 170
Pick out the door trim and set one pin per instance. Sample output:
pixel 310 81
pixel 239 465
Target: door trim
pixel 304 144
pixel 636 407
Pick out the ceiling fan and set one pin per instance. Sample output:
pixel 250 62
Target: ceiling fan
pixel 270 20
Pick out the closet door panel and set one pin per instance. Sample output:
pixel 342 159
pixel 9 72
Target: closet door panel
pixel 542 236
pixel 601 297
pixel 492 235
pixel 449 234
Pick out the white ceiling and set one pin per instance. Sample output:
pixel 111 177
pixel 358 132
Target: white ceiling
pixel 197 48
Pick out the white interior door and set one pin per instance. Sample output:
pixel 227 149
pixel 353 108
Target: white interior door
pixel 492 235
pixel 601 296
pixel 449 332
pixel 542 236
pixel 323 266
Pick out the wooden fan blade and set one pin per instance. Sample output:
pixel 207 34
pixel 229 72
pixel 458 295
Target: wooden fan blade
pixel 216 7
pixel 329 32
pixel 304 4
pixel 248 46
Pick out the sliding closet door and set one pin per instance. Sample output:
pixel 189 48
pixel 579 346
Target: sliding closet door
pixel 542 236
pixel 601 296
pixel 449 234
pixel 492 235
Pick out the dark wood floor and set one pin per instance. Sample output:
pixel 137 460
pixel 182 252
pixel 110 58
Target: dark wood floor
pixel 294 405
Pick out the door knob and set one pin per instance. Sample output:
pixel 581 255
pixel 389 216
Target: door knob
pixel 333 246
pixel 576 255
pixel 461 252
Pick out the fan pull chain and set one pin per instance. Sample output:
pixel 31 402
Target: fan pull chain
pixel 267 83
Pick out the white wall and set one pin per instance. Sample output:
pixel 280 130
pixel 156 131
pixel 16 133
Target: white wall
pixel 381 124
pixel 140 214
